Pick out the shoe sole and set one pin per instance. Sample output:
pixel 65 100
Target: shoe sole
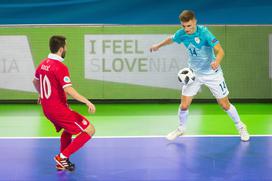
pixel 246 140
pixel 64 169
pixel 60 169
pixel 173 138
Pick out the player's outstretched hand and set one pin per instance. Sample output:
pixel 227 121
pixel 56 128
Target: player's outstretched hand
pixel 91 108
pixel 154 48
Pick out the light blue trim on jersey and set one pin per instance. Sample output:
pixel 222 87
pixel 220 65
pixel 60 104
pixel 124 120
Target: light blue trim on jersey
pixel 199 46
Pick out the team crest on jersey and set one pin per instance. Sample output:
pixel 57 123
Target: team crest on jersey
pixel 197 40
pixel 66 79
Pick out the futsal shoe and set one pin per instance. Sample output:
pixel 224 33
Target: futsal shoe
pixel 71 164
pixel 243 132
pixel 60 168
pixel 64 163
pixel 176 133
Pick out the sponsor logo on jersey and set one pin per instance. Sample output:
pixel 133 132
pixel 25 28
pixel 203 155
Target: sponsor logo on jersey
pixel 66 79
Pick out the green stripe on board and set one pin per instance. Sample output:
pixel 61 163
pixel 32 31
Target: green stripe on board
pixel 138 120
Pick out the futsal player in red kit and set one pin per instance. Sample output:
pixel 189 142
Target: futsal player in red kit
pixel 52 81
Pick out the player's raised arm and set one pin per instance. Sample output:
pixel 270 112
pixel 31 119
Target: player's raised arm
pixel 72 92
pixel 157 46
pixel 219 52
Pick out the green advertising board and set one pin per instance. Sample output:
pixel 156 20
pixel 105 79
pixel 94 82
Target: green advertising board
pixel 114 62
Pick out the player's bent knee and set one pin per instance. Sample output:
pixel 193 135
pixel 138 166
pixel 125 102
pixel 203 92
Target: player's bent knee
pixel 184 107
pixel 90 130
pixel 224 106
pixel 224 103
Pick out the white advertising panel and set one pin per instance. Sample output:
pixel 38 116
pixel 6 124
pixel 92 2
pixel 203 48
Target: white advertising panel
pixel 16 63
pixel 127 59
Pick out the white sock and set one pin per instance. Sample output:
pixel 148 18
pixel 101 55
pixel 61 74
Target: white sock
pixel 182 114
pixel 233 114
pixel 62 156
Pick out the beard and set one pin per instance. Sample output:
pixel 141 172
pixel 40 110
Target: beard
pixel 63 54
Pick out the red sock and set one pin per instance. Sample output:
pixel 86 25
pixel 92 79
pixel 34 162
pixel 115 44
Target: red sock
pixel 77 143
pixel 65 140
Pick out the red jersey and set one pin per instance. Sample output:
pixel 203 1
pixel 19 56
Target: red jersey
pixel 54 77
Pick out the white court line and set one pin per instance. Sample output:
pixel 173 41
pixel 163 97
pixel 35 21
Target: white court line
pixel 151 136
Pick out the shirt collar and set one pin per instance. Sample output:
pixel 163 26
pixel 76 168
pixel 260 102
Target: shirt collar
pixel 55 57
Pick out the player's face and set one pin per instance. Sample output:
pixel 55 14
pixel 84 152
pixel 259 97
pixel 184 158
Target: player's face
pixel 189 26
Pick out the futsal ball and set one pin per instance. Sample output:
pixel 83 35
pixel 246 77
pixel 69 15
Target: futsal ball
pixel 186 76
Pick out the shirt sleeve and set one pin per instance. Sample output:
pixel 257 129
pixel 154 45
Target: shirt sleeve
pixel 212 41
pixel 63 76
pixel 177 37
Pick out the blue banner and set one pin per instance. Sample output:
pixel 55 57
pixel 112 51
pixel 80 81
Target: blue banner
pixel 133 11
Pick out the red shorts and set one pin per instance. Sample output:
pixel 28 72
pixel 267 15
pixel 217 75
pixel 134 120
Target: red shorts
pixel 69 120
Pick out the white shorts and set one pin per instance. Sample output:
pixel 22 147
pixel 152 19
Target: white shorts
pixel 215 82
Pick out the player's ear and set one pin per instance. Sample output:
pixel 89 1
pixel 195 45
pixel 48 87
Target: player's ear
pixel 61 49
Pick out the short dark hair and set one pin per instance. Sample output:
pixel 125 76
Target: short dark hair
pixel 186 15
pixel 56 42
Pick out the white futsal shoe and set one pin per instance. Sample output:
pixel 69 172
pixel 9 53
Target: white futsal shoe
pixel 176 133
pixel 243 132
